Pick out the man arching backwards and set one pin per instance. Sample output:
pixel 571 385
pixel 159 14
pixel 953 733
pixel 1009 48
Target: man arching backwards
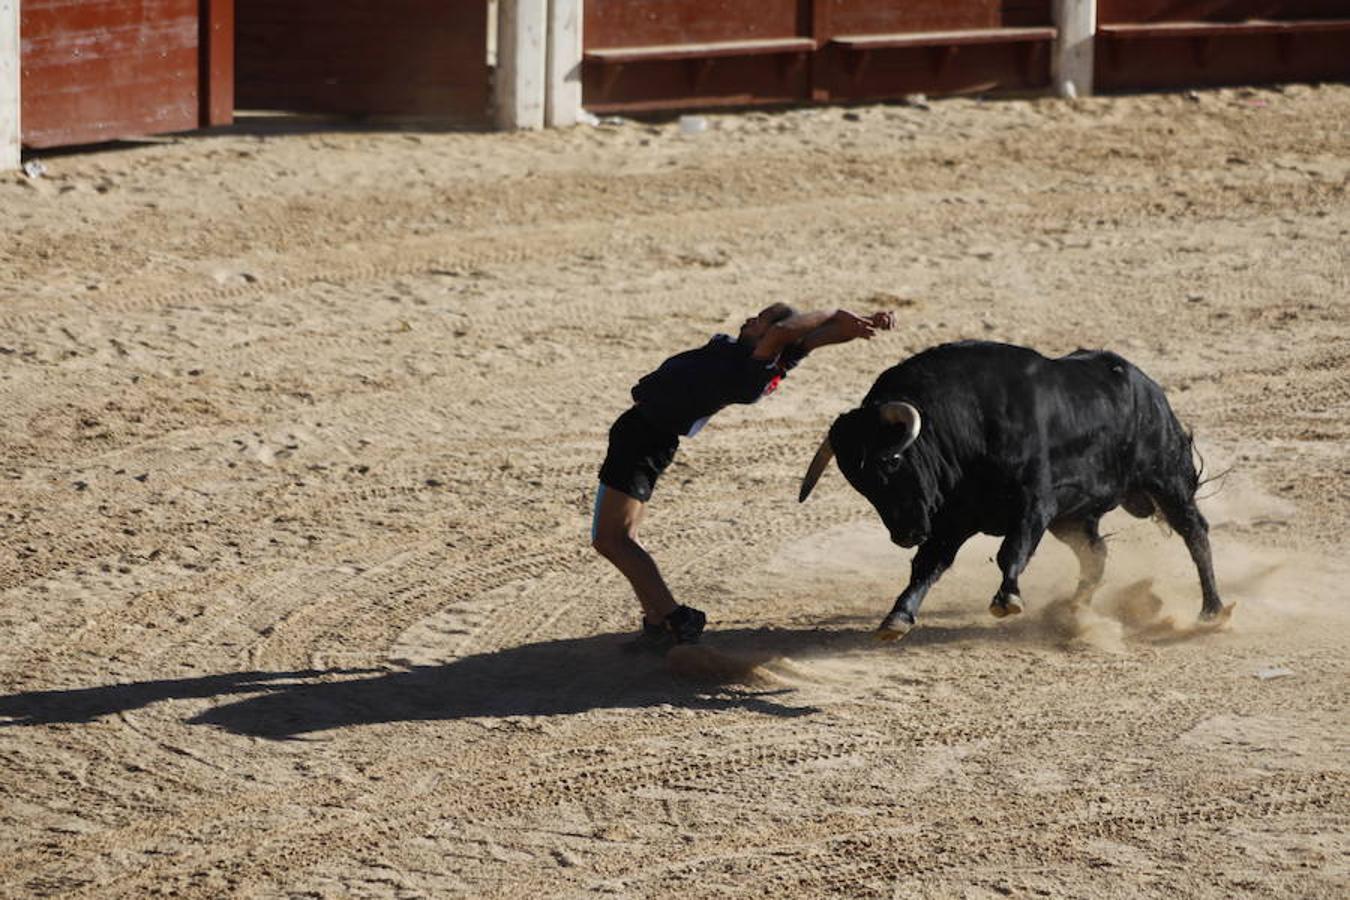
pixel 676 401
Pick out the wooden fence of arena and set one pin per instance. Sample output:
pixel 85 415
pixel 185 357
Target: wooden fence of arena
pixel 80 71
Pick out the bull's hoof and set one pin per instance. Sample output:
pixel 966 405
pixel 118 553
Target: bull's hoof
pixel 893 629
pixel 1217 618
pixel 1007 605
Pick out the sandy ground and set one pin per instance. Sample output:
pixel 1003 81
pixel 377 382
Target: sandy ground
pixel 302 428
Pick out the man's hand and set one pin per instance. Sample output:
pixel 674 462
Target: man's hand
pixel 851 326
pixel 844 326
pixel 882 321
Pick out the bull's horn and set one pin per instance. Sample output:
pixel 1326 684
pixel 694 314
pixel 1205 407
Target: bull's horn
pixel 898 412
pixel 813 471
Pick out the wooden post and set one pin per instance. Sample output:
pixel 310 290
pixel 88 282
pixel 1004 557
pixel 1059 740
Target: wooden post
pixel 562 98
pixel 10 67
pixel 522 27
pixel 822 30
pixel 1077 23
pixel 215 43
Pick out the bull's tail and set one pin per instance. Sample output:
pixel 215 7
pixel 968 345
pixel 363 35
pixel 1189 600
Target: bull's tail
pixel 1200 479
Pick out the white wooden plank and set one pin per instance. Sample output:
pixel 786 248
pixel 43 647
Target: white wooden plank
pixel 522 27
pixel 943 38
pixel 9 84
pixel 562 100
pixel 704 51
pixel 1072 65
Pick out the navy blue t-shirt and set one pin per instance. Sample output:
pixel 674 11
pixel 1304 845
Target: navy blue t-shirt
pixel 691 386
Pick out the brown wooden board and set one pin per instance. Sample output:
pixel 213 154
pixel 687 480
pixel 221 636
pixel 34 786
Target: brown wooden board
pixel 627 23
pixel 861 17
pixel 863 48
pixel 645 55
pixel 686 83
pixel 1140 11
pixel 98 70
pixel 364 57
pixel 1173 62
pixel 882 16
pixel 1027 13
pixel 217 62
pixel 958 38
pixel 1154 44
pixel 938 69
pixel 720 49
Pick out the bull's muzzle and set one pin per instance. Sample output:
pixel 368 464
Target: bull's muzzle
pixel 908 539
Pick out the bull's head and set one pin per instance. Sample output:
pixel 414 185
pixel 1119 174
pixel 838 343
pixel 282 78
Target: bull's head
pixel 871 444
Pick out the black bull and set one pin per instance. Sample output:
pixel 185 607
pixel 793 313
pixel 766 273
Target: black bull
pixel 983 437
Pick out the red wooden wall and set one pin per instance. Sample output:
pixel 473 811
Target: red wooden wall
pixel 1145 44
pixel 622 23
pixel 999 65
pixel 644 55
pixel 374 57
pixel 849 17
pixel 826 70
pixel 1122 11
pixel 97 70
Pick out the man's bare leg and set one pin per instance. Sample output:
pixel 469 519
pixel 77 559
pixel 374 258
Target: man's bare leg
pixel 614 536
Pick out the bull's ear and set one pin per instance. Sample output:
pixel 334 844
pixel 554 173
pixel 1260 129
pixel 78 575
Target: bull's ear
pixel 902 414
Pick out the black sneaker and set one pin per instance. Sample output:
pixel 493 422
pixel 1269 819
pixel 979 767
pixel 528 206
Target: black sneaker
pixel 651 639
pixel 685 624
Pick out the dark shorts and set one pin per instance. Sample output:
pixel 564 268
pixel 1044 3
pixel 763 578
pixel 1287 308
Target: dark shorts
pixel 638 453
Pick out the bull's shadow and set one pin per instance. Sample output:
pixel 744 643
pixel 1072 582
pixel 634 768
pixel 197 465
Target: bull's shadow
pixel 550 678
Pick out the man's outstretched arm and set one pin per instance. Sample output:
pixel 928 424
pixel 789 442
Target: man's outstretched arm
pixel 789 331
pixel 817 329
pixel 845 326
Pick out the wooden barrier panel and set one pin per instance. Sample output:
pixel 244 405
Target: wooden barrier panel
pixel 217 62
pixel 939 63
pixel 625 23
pixel 104 69
pixel 371 57
pixel 1112 12
pixel 668 54
pixel 861 17
pixel 1152 44
pixel 1027 13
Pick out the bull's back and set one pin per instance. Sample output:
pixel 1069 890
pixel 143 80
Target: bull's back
pixel 1090 411
pixel 984 389
pixel 951 376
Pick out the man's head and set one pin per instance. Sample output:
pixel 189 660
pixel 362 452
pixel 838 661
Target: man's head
pixel 758 325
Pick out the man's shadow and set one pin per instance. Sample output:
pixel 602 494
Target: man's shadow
pixel 550 678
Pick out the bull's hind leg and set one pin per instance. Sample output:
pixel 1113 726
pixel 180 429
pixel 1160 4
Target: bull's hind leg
pixel 1086 543
pixel 1186 519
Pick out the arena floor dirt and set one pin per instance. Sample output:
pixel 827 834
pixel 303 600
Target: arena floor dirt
pixel 302 427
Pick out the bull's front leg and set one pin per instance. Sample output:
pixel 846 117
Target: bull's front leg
pixel 933 557
pixel 1014 554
